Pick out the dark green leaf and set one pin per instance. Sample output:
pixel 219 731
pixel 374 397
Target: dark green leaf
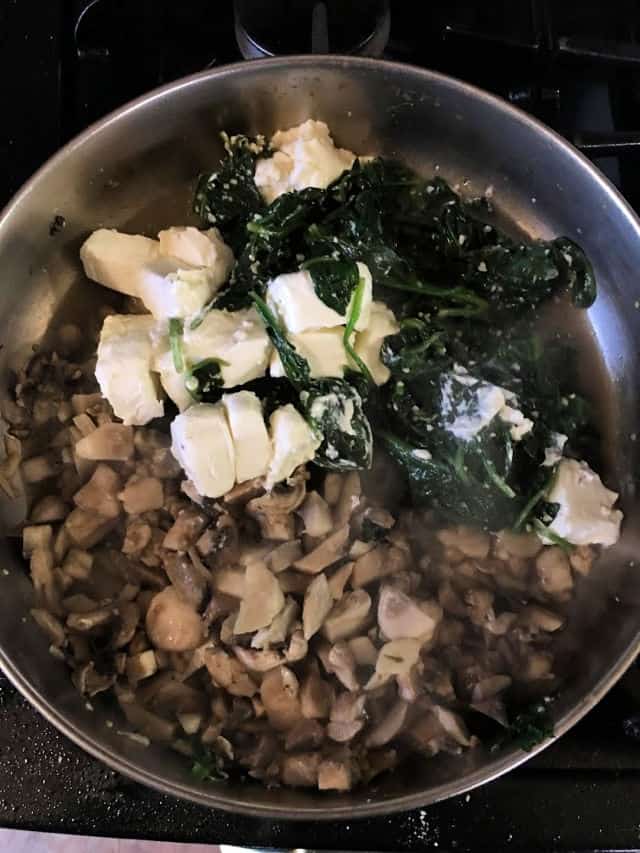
pixel 334 281
pixel 176 331
pixel 295 366
pixel 334 409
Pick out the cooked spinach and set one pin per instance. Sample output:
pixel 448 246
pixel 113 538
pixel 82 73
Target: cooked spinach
pixel 228 198
pixel 208 766
pixel 204 378
pixel 335 409
pixel 529 727
pixel 466 295
pixel 334 281
pixel 176 330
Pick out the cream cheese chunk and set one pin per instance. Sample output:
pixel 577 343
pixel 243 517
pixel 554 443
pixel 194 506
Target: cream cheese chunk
pixel 305 156
pixel 124 368
pixel 369 341
pixel 293 298
pixel 586 514
pixel 175 276
pixel 203 445
pixel 322 348
pixel 294 443
pixel 250 437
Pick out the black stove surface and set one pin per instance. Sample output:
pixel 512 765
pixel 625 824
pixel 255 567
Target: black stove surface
pixel 64 64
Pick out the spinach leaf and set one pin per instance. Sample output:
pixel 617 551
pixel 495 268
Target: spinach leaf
pixel 334 408
pixel 208 766
pixel 295 366
pixel 204 378
pixel 334 280
pixel 350 327
pixel 228 198
pixel 176 331
pixel 529 727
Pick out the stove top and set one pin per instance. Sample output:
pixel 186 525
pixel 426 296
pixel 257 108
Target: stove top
pixel 65 63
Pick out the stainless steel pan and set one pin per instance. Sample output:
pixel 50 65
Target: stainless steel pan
pixel 135 170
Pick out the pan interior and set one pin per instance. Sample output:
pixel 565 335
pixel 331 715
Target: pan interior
pixel 136 171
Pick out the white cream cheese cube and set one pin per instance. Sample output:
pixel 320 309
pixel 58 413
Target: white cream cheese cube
pixel 368 342
pixel 586 515
pixel 115 260
pixel 198 249
pixel 293 441
pixel 202 444
pixel 313 160
pixel 322 348
pixel 293 299
pixel 124 368
pixel 250 437
pixel 237 338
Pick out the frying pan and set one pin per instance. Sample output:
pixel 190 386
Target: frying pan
pixel 135 170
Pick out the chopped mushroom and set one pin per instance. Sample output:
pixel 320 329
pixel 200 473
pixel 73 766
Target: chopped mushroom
pixel 172 624
pixel 554 571
pixel 390 726
pixel 99 494
pixel 283 556
pixel 349 499
pixel 348 616
pixel 109 442
pixel 316 515
pixel 297 648
pixel 338 660
pixel 400 616
pixel 394 658
pixel 378 563
pixel 191 581
pixel 274 510
pixel 279 692
pixel 315 695
pixel 339 579
pixel 279 629
pixel 142 495
pixel 258 661
pixel 49 508
pixel 307 734
pixel 363 651
pixel 262 599
pixel 327 553
pixel 86 528
pixel 317 604
pixel 334 776
pixel 229 673
pixel 301 769
pixel 186 529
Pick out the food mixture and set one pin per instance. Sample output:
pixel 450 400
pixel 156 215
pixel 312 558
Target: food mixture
pixel 322 497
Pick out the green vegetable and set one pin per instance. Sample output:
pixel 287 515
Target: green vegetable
pixel 530 727
pixel 334 281
pixel 228 198
pixel 334 408
pixel 207 766
pixel 204 378
pixel 349 329
pixel 176 331
pixel 295 366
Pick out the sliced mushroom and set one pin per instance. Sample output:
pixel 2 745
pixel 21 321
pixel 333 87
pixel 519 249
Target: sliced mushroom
pixel 401 617
pixel 390 726
pixel 49 508
pixel 186 529
pixel 243 492
pixel 554 571
pixel 471 541
pixel 349 499
pixel 334 775
pixel 52 626
pixel 363 651
pixel 376 523
pixel 338 580
pixel 317 604
pixel 128 618
pixel 347 717
pixel 339 661
pixel 262 599
pixel 44 579
pixel 327 553
pixel 190 581
pixel 378 563
pixel 40 536
pixel 297 648
pixel 279 629
pixel 279 692
pixel 540 619
pixel 394 658
pixel 229 673
pixel 258 661
pixel 141 666
pixel 316 515
pixel 40 468
pixel 86 528
pixel 283 556
pixel 89 682
pixel 229 582
pixel 109 442
pixel 519 544
pixel 315 695
pixel 172 624
pixel 453 725
pixel 332 487
pixel 142 495
pixel 99 494
pixel 274 510
pixel 90 620
pixel 348 616
pixel 305 735
pixel 294 582
pixel 301 770
pixel 489 687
